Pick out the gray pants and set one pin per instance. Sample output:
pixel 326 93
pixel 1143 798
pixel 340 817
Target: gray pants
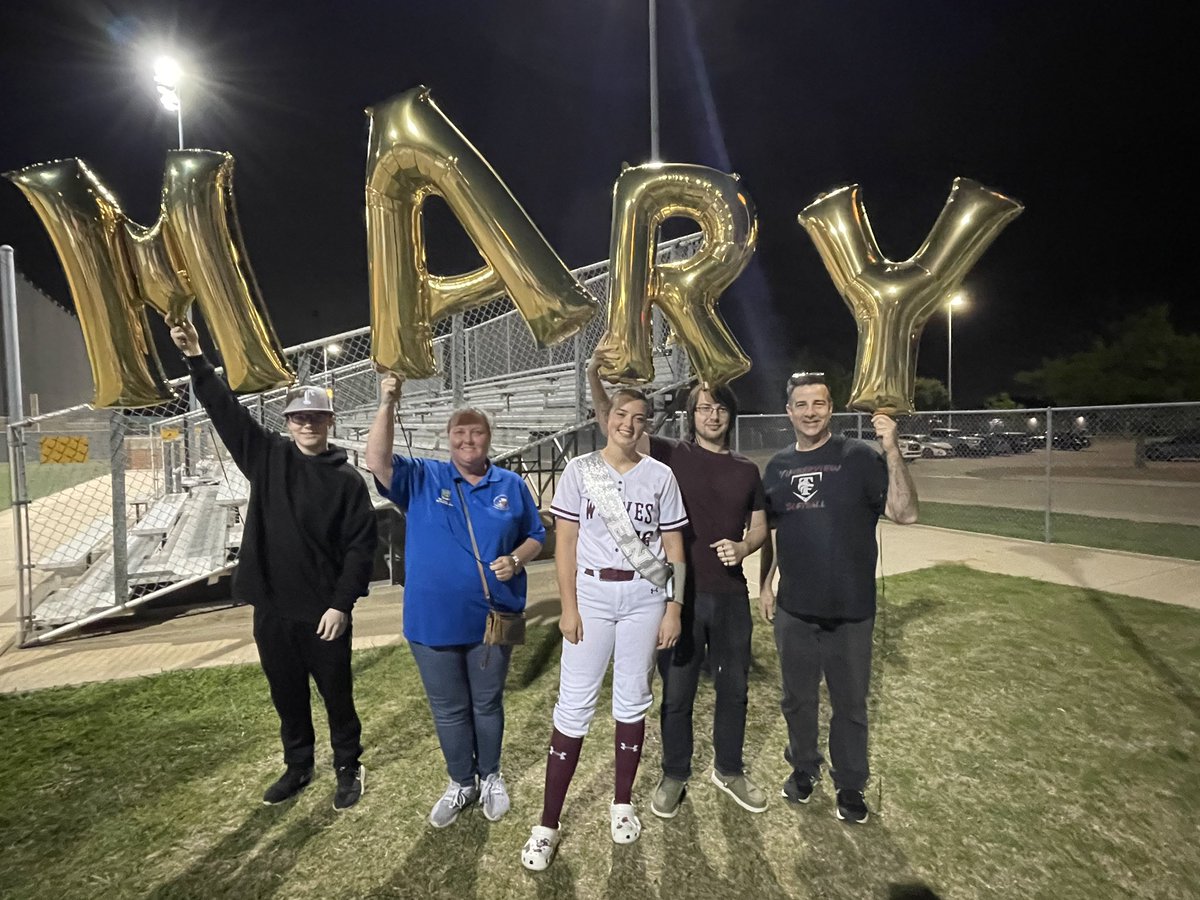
pixel 841 650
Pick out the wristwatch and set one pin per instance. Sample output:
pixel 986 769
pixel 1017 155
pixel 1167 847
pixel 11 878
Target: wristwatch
pixel 516 561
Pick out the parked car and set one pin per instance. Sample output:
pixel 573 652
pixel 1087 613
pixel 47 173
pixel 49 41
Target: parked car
pixel 930 447
pixel 909 449
pixel 1063 440
pixel 962 443
pixel 1185 445
pixel 1002 442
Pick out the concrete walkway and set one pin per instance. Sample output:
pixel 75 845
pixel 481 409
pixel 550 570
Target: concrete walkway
pixel 166 640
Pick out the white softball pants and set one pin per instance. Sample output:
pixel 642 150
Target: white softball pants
pixel 620 622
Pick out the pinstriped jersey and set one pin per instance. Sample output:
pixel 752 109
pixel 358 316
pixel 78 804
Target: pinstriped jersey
pixel 651 497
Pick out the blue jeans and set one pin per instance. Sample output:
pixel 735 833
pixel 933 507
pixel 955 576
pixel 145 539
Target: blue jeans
pixel 467 702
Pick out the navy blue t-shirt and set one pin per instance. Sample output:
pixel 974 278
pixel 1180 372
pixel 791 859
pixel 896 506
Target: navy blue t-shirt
pixel 824 505
pixel 444 604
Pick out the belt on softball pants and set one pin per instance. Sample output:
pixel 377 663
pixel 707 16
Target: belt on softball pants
pixel 611 574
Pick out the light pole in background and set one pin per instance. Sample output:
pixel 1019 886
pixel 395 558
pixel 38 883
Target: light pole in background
pixel 958 299
pixel 327 351
pixel 166 78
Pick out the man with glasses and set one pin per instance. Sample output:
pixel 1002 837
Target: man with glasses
pixel 307 553
pixel 825 495
pixel 723 495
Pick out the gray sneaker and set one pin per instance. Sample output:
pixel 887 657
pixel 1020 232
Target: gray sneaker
pixel 667 797
pixel 456 798
pixel 745 793
pixel 493 797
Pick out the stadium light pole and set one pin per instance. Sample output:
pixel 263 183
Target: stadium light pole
pixel 167 74
pixel 652 14
pixel 329 350
pixel 957 300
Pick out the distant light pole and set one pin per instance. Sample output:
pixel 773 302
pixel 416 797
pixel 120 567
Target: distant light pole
pixel 652 16
pixel 957 300
pixel 329 350
pixel 166 78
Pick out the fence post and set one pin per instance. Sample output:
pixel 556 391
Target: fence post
pixel 737 436
pixel 1049 454
pixel 457 360
pixel 580 385
pixel 120 549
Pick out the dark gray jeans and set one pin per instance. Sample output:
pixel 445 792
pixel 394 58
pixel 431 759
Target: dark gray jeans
pixel 841 650
pixel 722 623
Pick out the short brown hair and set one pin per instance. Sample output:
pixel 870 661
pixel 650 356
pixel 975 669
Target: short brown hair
pixel 469 412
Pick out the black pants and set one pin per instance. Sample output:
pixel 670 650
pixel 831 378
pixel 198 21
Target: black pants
pixel 290 652
pixel 720 622
pixel 841 650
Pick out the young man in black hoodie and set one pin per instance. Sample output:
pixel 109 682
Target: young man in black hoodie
pixel 307 553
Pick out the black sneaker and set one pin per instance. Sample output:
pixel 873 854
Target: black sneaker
pixel 290 783
pixel 351 784
pixel 851 807
pixel 798 788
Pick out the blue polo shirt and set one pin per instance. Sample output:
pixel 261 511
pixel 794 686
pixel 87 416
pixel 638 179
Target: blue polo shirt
pixel 443 599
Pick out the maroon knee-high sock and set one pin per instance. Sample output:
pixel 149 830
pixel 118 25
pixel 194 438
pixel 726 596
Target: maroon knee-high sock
pixel 560 769
pixel 628 746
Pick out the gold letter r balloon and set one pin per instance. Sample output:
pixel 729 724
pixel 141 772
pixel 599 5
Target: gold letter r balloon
pixel 891 301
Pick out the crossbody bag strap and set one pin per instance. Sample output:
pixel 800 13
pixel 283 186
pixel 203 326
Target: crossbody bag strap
pixel 606 497
pixel 487 594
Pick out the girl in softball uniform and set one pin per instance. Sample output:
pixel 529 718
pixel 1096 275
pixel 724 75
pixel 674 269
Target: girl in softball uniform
pixel 609 611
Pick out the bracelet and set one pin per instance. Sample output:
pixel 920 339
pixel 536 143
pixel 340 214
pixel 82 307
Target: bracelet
pixel 516 561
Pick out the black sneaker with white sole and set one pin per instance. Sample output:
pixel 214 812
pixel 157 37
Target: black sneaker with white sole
pixel 290 783
pixel 852 807
pixel 351 782
pixel 798 788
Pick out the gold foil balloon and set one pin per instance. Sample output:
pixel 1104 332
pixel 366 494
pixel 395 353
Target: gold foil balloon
pixel 687 291
pixel 115 268
pixel 416 152
pixel 891 301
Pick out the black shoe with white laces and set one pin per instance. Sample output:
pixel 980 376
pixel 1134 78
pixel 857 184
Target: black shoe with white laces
pixel 290 783
pixel 798 788
pixel 351 782
pixel 851 807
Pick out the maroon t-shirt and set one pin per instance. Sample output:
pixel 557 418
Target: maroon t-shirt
pixel 720 490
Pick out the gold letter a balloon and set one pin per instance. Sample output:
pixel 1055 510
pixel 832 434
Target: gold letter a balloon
pixel 891 302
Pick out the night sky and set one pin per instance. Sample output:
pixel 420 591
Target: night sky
pixel 1075 110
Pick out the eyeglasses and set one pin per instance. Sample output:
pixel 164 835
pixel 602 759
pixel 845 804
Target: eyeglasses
pixel 707 409
pixel 315 420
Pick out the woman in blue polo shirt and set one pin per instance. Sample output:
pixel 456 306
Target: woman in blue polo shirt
pixel 445 609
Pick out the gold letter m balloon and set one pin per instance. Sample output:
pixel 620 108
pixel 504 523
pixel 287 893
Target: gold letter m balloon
pixel 116 267
pixel 643 198
pixel 892 301
pixel 416 152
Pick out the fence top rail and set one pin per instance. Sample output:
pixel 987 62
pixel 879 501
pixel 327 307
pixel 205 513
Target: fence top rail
pixel 997 412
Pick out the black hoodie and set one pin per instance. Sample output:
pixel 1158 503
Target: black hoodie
pixel 308 543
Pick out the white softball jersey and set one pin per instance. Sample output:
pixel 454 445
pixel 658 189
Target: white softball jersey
pixel 652 500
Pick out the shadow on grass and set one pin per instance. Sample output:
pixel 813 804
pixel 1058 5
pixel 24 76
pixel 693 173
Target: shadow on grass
pixel 1179 688
pixel 911 890
pixel 228 869
pixel 441 858
pixel 537 658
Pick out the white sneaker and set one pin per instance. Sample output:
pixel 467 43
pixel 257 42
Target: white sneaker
pixel 456 798
pixel 539 850
pixel 626 826
pixel 493 797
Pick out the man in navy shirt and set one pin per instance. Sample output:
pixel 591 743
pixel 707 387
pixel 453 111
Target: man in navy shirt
pixel 824 497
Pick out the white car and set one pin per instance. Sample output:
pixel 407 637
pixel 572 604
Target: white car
pixel 931 448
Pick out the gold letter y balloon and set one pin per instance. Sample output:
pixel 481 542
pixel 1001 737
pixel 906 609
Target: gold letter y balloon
pixel 891 301
pixel 687 291
pixel 415 152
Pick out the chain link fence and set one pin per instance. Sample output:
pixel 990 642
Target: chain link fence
pixel 1114 477
pixel 115 508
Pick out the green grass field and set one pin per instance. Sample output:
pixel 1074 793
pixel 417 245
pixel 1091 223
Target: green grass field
pixel 1155 538
pixel 45 479
pixel 1029 740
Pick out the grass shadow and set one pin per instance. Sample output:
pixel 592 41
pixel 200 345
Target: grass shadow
pixel 537 658
pixel 228 869
pixel 441 857
pixel 1178 688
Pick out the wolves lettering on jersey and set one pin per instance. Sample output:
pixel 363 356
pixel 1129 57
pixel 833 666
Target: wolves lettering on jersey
pixel 652 500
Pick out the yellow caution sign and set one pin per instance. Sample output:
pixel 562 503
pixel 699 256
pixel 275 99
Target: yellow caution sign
pixel 64 448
